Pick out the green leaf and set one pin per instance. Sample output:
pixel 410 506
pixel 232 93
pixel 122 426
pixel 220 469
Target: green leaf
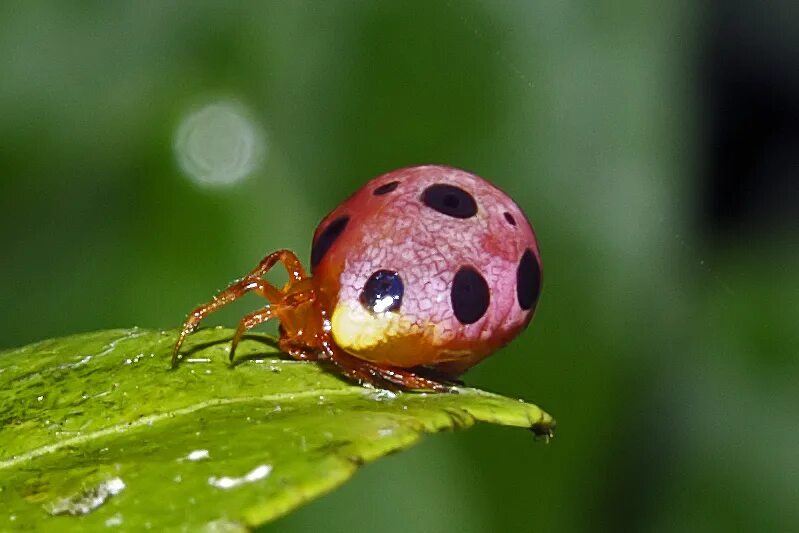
pixel 96 431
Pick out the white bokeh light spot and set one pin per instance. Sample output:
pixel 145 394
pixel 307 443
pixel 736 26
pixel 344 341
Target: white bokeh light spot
pixel 218 145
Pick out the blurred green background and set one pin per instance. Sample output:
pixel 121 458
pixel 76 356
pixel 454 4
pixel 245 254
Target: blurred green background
pixel 665 342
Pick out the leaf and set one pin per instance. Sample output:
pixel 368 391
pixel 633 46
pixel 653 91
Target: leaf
pixel 96 431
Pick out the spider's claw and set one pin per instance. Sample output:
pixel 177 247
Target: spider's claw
pixel 188 328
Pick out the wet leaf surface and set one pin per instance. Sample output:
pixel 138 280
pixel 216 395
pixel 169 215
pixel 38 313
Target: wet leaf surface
pixel 96 432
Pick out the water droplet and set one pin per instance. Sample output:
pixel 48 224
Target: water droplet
pixel 218 144
pixel 226 482
pixel 88 499
pixel 260 472
pixel 197 455
pixel 223 525
pixel 114 521
pixel 383 394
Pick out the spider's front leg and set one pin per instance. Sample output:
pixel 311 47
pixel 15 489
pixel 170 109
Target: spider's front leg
pixel 251 282
pixel 290 262
pixel 249 322
pixel 232 293
pixel 289 302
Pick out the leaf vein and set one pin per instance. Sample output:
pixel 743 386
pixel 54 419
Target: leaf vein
pixel 148 420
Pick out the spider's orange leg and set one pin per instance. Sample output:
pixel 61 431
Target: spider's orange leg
pixel 233 292
pixel 250 282
pixel 302 330
pixel 290 261
pixel 289 301
pixel 297 350
pixel 391 377
pixel 272 311
pixel 249 322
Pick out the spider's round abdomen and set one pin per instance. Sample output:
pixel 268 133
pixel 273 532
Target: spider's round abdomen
pixel 427 265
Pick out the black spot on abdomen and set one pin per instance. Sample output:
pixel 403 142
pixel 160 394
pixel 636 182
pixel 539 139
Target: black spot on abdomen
pixel 470 295
pixel 528 280
pixel 385 188
pixel 326 239
pixel 449 200
pixel 382 292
